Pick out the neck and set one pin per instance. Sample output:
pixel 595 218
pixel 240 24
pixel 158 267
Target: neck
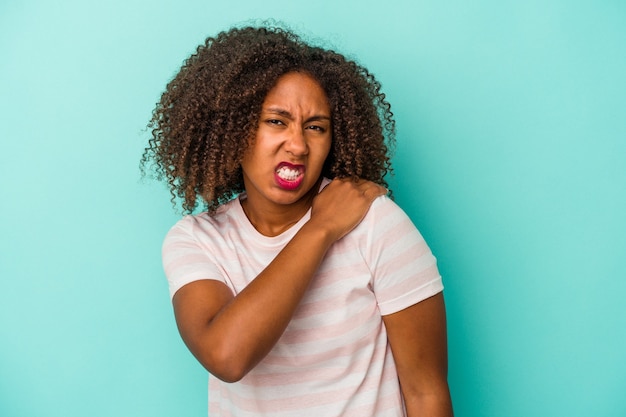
pixel 272 220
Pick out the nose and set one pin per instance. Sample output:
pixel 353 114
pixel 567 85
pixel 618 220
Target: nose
pixel 296 143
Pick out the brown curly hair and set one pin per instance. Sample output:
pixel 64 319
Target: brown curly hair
pixel 207 116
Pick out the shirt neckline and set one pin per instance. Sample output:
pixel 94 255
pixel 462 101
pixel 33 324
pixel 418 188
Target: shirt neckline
pixel 281 239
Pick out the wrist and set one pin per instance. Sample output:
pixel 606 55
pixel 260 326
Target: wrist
pixel 319 233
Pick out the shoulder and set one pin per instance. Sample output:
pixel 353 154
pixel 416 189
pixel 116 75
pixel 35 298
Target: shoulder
pixel 384 204
pixel 384 213
pixel 387 228
pixel 188 225
pixel 202 225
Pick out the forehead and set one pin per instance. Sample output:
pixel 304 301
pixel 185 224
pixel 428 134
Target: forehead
pixel 297 90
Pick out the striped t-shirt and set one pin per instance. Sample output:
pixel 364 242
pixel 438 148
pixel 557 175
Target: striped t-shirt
pixel 333 359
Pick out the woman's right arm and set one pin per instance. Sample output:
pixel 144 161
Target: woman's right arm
pixel 230 334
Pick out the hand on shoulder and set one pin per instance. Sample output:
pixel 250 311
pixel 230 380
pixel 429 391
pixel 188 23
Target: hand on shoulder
pixel 343 203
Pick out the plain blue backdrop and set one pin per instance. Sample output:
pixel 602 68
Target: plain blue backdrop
pixel 511 160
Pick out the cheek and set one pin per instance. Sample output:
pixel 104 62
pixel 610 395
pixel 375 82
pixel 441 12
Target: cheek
pixel 323 156
pixel 248 161
pixel 252 152
pixel 322 150
pixel 328 149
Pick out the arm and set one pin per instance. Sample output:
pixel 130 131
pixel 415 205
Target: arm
pixel 417 336
pixel 230 334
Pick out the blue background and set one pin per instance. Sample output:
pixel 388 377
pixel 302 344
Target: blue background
pixel 511 159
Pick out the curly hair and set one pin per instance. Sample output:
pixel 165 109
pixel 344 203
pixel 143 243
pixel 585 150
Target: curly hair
pixel 207 116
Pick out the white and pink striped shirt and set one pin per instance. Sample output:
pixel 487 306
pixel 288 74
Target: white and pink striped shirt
pixel 334 358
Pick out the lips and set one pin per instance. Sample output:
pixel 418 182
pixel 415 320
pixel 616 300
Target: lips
pixel 289 176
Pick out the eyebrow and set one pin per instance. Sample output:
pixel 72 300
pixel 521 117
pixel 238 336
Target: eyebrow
pixel 287 114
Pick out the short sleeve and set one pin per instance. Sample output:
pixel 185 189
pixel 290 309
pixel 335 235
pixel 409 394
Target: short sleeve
pixel 185 258
pixel 404 270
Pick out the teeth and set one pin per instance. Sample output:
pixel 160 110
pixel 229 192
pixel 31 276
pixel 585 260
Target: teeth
pixel 288 173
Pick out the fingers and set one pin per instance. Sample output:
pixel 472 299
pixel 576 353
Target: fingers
pixel 343 203
pixel 373 190
pixel 346 188
pixel 368 189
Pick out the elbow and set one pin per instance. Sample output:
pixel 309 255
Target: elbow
pixel 224 356
pixel 227 374
pixel 225 364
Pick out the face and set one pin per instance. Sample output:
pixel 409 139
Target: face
pixel 291 143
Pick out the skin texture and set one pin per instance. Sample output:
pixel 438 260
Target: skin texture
pixel 224 126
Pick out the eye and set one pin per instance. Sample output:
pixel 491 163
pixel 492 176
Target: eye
pixel 317 128
pixel 275 122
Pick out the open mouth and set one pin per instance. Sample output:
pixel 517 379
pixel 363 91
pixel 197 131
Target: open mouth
pixel 289 176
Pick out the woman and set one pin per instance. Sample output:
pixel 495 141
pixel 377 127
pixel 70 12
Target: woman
pixel 303 289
